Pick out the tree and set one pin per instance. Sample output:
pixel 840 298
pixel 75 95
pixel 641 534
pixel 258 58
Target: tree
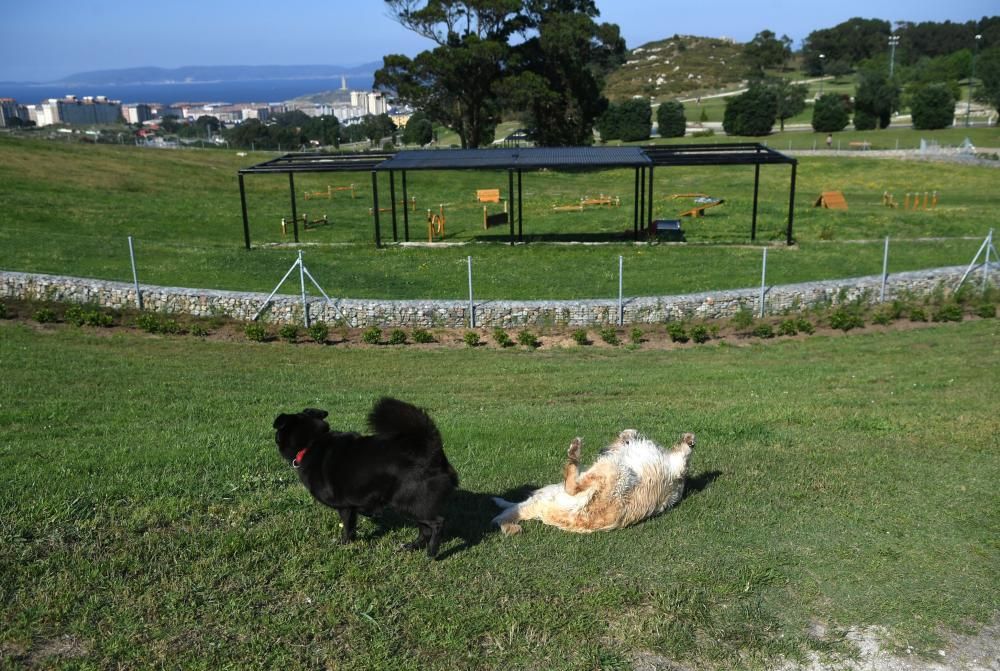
pixel 670 119
pixel 751 113
pixel 765 51
pixel 557 76
pixel 554 73
pixel 864 121
pixel 830 113
pixel 877 96
pixel 933 107
pixel 628 121
pixel 852 41
pixel 790 99
pixel 988 72
pixel 418 129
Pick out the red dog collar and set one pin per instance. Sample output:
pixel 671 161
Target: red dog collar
pixel 297 461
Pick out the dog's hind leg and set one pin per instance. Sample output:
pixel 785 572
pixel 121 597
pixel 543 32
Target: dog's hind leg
pixel 349 522
pixel 572 469
pixel 428 537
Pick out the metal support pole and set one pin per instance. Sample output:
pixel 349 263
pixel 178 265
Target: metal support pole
pixel 510 200
pixel 378 231
pixel 635 213
pixel 621 304
pixel 649 224
pixel 642 198
pixel 986 260
pixel 756 190
pixel 763 282
pixel 406 211
pixel 302 285
pixel 392 192
pixel 472 305
pixel 246 221
pixel 520 209
pixel 295 217
pixel 885 269
pixel 135 274
pixel 791 206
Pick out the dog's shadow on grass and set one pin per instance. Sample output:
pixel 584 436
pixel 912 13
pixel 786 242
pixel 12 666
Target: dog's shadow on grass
pixel 468 518
pixel 699 483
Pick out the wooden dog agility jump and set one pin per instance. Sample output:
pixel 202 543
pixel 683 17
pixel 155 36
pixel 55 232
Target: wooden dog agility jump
pixel 303 219
pixel 328 194
pixel 435 223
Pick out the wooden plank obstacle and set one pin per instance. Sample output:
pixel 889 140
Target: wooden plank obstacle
pixel 488 195
pixel 499 219
pixel 303 219
pixel 328 194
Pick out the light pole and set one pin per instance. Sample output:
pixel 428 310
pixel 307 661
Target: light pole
pixel 822 71
pixel 972 85
pixel 893 41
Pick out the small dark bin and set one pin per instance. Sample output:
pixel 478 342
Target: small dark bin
pixel 668 229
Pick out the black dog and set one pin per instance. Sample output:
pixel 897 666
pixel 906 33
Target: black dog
pixel 402 466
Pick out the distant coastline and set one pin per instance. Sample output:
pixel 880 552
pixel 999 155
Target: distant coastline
pixel 260 90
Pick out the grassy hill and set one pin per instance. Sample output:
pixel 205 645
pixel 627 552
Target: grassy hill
pixel 681 66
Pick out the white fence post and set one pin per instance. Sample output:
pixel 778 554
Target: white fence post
pixel 885 269
pixel 621 304
pixel 763 281
pixel 472 306
pixel 135 274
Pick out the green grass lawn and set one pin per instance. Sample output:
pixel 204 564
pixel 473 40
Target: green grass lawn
pixel 69 209
pixel 146 519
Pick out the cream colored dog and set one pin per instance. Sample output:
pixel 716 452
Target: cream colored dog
pixel 632 479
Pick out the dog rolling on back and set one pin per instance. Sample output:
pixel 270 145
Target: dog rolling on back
pixel 632 480
pixel 401 466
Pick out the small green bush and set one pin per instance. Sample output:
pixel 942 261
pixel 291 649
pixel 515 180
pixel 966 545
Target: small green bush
pixel 788 327
pixel 743 319
pixel 98 318
pixel 74 315
pixel 763 331
pixel 422 336
pixel 397 337
pixel 318 331
pixel 372 335
pixel 288 332
pixel 882 316
pixel 699 334
pixel 918 314
pixel 805 326
pixel 501 337
pixel 580 337
pixel 471 338
pixel 635 335
pixel 528 339
pixel 45 315
pixel 3 311
pixel 948 312
pixel 677 332
pixel 987 311
pixel 845 319
pixel 255 331
pixel 171 326
pixel 609 335
pixel 198 330
pixel 148 322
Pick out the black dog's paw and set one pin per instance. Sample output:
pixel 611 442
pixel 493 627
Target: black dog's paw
pixel 413 545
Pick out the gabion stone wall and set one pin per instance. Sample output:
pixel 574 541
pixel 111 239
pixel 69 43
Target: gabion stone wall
pixel 455 314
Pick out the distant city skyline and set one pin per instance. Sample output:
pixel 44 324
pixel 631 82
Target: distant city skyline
pixel 47 40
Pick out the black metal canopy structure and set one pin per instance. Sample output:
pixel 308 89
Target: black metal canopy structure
pixel 516 161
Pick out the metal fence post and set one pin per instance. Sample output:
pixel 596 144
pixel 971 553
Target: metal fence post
pixel 135 274
pixel 763 281
pixel 885 269
pixel 472 307
pixel 302 284
pixel 621 305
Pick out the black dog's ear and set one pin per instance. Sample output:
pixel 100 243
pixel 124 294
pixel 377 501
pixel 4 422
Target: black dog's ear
pixel 281 420
pixel 315 412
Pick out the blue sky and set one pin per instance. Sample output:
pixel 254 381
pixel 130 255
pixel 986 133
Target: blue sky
pixel 43 40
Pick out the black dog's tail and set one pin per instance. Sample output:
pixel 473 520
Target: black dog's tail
pixel 392 417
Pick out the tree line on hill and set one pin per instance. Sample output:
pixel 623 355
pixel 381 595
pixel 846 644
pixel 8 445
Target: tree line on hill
pixel 543 62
